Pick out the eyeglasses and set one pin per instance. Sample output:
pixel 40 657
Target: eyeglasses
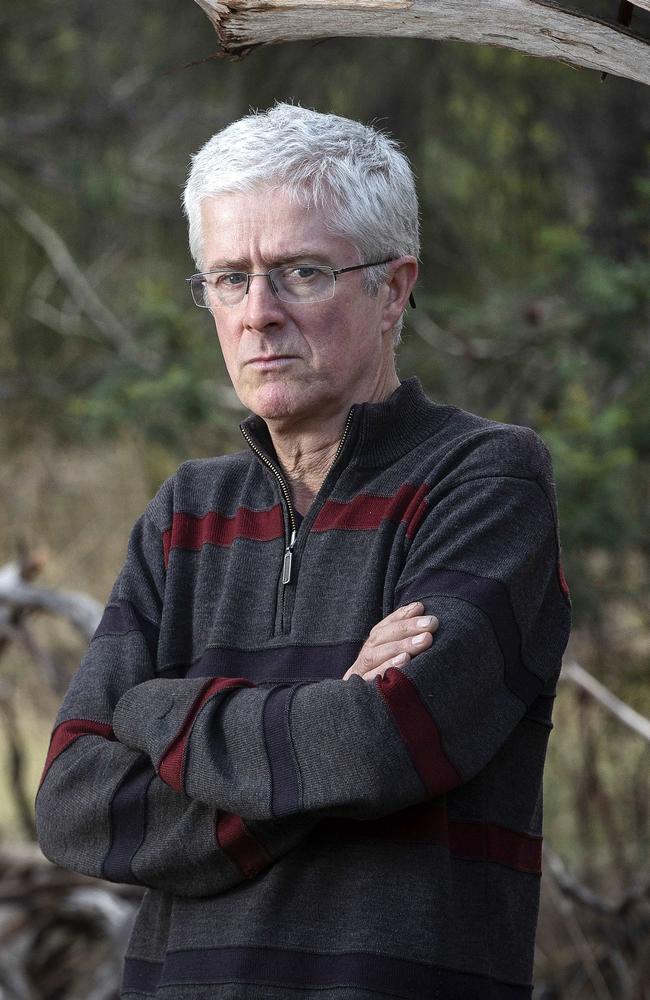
pixel 296 283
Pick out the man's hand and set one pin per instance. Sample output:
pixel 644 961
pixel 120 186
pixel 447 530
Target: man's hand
pixel 393 641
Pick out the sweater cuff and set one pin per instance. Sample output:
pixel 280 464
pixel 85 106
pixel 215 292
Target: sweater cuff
pixel 149 716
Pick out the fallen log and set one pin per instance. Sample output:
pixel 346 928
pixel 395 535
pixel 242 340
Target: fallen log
pixel 537 27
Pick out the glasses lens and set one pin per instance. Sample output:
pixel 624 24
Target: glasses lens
pixel 197 288
pixel 303 282
pixel 218 287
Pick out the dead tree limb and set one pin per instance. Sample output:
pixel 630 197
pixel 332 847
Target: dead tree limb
pixel 79 609
pixel 16 767
pixel 576 890
pixel 72 276
pixel 573 672
pixel 537 27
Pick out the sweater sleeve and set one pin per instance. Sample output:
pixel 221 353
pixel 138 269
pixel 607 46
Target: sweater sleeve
pixel 485 560
pixel 101 808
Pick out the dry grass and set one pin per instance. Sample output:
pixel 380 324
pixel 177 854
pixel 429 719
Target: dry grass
pixel 76 507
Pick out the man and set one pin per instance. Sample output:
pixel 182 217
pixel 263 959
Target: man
pixel 313 720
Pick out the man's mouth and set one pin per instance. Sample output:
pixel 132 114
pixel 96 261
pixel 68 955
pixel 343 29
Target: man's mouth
pixel 271 360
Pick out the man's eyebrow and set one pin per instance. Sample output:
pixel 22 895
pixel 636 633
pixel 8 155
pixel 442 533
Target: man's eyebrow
pixel 242 263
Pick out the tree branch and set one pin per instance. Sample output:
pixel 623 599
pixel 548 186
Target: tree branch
pixel 75 280
pixel 82 611
pixel 537 27
pixel 572 671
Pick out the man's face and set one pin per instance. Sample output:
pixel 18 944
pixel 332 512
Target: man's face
pixel 290 363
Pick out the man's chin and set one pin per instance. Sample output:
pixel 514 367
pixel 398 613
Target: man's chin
pixel 276 400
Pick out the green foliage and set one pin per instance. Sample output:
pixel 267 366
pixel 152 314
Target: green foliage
pixel 534 298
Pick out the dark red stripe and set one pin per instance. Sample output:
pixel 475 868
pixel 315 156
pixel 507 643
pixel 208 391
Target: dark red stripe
pixel 416 510
pixel 234 837
pixel 367 510
pixel 427 823
pixel 173 760
pixel 68 732
pixel 418 731
pixel 190 532
pixel 564 586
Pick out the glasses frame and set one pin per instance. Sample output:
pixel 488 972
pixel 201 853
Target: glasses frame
pixel 267 274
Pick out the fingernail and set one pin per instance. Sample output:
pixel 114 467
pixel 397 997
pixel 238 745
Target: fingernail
pixel 400 659
pixel 425 622
pixel 418 640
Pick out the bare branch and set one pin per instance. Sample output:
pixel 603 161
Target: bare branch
pixel 538 27
pixel 573 672
pixel 75 280
pixel 16 767
pixel 574 889
pixel 82 611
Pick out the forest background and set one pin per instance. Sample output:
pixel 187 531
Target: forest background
pixel 533 307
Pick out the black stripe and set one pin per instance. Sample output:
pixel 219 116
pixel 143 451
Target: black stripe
pixel 141 975
pixel 277 664
pixel 285 791
pixel 122 617
pixel 381 974
pixel 541 710
pixel 128 821
pixel 491 597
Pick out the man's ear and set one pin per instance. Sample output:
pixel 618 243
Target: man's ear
pixel 401 279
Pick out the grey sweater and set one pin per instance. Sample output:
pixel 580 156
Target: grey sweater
pixel 301 835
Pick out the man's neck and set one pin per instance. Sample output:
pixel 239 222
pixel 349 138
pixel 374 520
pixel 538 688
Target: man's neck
pixel 306 461
pixel 306 454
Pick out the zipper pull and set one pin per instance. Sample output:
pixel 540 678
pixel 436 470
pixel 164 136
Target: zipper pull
pixel 288 558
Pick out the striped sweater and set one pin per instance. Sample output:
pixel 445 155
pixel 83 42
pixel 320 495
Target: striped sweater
pixel 300 835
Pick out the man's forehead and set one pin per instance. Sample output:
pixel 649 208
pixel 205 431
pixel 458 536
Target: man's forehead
pixel 288 256
pixel 265 227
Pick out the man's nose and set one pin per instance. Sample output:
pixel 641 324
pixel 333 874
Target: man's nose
pixel 262 307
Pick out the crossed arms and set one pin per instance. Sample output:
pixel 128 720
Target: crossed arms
pixel 192 785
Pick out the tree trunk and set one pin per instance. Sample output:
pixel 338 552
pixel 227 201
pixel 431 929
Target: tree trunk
pixel 537 27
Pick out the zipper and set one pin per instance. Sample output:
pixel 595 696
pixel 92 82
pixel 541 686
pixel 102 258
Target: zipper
pixel 287 560
pixel 342 441
pixel 286 493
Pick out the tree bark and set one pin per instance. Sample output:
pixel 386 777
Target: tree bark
pixel 537 27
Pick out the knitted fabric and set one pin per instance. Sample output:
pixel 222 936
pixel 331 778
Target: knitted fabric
pixel 301 835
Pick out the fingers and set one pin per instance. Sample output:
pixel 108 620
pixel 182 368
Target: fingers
pixel 400 629
pixel 396 616
pixel 394 641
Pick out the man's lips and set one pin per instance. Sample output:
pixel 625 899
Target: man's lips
pixel 271 359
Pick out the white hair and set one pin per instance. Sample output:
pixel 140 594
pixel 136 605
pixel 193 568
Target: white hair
pixel 354 173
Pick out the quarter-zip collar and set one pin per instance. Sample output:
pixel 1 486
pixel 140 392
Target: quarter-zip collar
pixel 256 434
pixel 375 434
pixel 382 431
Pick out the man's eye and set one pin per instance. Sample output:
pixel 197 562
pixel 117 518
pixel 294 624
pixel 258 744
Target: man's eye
pixel 302 273
pixel 232 278
pixel 224 279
